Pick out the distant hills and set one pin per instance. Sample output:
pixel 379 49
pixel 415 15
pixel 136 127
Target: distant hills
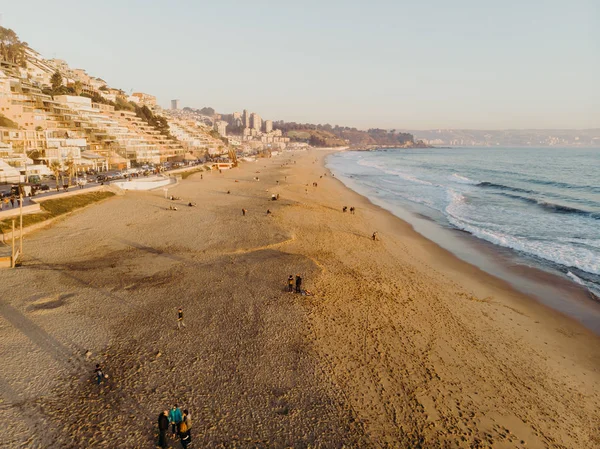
pixel 510 137
pixel 338 136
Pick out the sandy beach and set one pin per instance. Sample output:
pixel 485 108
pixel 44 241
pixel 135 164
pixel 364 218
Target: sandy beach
pixel 402 344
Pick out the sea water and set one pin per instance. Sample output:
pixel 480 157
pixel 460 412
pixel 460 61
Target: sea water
pixel 542 203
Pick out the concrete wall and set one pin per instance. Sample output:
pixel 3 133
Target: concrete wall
pixel 145 183
pixel 15 212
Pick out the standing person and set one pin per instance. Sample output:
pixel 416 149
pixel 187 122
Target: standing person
pixel 186 429
pixel 244 212
pixel 99 374
pixel 12 201
pixel 290 283
pixel 298 284
pixel 375 235
pixel 180 318
pixel 163 426
pixel 175 419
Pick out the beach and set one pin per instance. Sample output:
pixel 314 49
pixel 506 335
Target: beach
pixel 401 344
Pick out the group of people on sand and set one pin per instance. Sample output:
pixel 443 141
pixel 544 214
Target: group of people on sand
pixel 181 427
pixel 345 208
pixel 297 281
pixel 176 198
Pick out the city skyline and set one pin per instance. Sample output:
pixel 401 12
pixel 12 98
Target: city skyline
pixel 497 67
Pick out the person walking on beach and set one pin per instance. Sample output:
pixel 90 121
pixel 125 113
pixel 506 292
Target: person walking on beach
pixel 345 208
pixel 298 284
pixel 244 212
pixel 375 236
pixel 99 374
pixel 290 283
pixel 175 419
pixel 180 322
pixel 163 427
pixel 352 210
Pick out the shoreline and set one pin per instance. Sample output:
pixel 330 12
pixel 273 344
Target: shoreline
pixel 552 289
pixel 402 344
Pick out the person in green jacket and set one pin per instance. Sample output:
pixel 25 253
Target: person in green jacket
pixel 175 417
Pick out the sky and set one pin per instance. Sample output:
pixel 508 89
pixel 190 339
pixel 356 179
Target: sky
pixel 392 64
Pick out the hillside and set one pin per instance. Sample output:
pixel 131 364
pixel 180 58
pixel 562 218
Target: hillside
pixel 335 136
pixel 68 114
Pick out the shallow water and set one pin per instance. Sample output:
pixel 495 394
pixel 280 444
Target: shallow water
pixel 542 203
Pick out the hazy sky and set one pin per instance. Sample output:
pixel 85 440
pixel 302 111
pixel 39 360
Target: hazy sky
pixel 394 64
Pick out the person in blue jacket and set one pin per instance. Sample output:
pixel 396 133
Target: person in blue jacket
pixel 175 417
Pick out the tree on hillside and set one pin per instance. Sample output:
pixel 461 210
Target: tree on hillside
pixel 11 48
pixel 78 88
pixel 207 111
pixel 56 81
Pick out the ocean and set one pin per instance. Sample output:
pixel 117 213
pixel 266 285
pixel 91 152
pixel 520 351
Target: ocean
pixel 543 204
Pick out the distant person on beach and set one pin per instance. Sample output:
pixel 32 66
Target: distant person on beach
pixel 290 283
pixel 298 284
pixel 180 322
pixel 192 204
pixel 201 176
pixel 228 192
pixel 175 419
pixel 163 427
pixel 352 210
pixel 244 212
pixel 375 235
pixel 268 211
pixel 99 374
pixel 345 208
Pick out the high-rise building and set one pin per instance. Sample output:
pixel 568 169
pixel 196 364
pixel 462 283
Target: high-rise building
pixel 255 122
pixel 221 127
pixel 268 126
pixel 174 105
pixel 246 119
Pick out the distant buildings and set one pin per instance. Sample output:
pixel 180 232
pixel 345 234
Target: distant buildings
pixel 268 126
pixel 255 122
pixel 145 99
pixel 174 105
pixel 221 127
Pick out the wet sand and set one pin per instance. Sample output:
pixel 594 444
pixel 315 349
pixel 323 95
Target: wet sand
pixel 402 345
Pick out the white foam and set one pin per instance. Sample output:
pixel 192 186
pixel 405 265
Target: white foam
pixel 576 279
pixel 462 179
